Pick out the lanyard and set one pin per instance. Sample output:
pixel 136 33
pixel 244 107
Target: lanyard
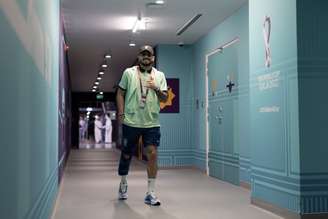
pixel 143 94
pixel 266 35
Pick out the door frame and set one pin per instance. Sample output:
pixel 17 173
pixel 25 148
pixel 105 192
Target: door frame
pixel 207 141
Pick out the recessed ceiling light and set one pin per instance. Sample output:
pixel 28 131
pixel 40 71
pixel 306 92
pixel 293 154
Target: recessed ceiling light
pixel 101 92
pixel 98 78
pixel 108 56
pixel 160 2
pixel 93 90
pixel 94 87
pixel 132 44
pixel 101 73
pixel 104 66
pixel 96 83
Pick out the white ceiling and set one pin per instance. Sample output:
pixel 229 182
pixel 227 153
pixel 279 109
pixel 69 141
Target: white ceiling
pixel 97 26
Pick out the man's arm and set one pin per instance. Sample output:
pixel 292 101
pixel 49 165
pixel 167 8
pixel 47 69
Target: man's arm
pixel 120 103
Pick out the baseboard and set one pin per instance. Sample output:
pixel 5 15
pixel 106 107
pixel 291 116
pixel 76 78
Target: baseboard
pixel 43 205
pixel 175 167
pixel 285 213
pixel 245 185
pixel 275 209
pixel 315 216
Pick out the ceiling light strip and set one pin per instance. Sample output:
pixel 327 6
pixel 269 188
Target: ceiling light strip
pixel 188 24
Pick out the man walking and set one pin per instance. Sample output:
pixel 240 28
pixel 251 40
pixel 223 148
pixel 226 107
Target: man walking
pixel 140 91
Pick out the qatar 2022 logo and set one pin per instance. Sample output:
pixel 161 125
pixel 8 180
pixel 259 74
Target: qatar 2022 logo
pixel 267 35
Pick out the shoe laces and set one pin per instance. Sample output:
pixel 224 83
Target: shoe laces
pixel 153 195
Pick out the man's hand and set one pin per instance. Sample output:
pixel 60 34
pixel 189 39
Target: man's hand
pixel 120 118
pixel 162 95
pixel 151 84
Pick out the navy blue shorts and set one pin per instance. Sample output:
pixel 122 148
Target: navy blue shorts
pixel 150 136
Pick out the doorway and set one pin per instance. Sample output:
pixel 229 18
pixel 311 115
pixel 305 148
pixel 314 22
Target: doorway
pixel 97 127
pixel 222 104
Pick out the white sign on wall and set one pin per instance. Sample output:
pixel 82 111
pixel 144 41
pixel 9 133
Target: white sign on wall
pixel 268 81
pixel 269 109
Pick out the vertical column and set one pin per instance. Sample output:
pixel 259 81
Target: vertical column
pixel 275 175
pixel 312 43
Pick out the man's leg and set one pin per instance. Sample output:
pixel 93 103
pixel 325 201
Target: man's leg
pixel 152 139
pixel 125 160
pixel 123 171
pixel 151 153
pixel 129 136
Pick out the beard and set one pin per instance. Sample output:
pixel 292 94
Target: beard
pixel 146 63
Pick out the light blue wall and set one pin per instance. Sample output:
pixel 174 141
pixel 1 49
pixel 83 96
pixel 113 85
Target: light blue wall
pixel 177 129
pixel 234 26
pixel 282 115
pixel 274 105
pixel 312 44
pixel 29 137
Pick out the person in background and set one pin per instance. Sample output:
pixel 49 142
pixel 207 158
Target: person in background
pixel 98 128
pixel 108 128
pixel 82 128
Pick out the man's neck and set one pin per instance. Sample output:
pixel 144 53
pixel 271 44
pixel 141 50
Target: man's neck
pixel 143 69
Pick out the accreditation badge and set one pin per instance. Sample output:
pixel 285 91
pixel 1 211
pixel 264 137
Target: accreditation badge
pixel 142 102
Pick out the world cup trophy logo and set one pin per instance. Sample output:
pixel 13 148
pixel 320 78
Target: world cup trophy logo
pixel 266 35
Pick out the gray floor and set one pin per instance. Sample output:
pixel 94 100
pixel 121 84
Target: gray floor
pixel 90 184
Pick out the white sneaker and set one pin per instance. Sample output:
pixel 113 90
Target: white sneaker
pixel 152 200
pixel 123 191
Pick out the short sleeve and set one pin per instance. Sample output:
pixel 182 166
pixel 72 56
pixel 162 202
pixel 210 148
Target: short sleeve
pixel 124 80
pixel 163 84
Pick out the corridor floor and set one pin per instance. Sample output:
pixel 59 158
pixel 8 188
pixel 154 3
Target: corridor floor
pixel 90 184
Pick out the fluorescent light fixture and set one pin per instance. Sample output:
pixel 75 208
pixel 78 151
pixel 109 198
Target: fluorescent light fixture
pixel 101 73
pixel 157 4
pixel 104 66
pixel 140 24
pixel 132 44
pixel 108 56
pixel 98 78
pixel 96 83
pixel 188 24
pixel 89 109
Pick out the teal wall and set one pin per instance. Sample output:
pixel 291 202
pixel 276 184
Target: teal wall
pixel 312 45
pixel 29 110
pixel 183 134
pixel 177 128
pixel 234 26
pixel 274 105
pixel 282 109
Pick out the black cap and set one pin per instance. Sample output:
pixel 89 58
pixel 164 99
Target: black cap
pixel 146 48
